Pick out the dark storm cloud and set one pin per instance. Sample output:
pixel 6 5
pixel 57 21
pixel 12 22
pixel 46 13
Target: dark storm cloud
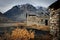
pixel 7 4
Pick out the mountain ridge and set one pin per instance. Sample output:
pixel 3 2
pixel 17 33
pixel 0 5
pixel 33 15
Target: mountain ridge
pixel 18 12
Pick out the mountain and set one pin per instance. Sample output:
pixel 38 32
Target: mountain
pixel 1 14
pixel 18 12
pixel 28 7
pixel 3 18
pixel 42 11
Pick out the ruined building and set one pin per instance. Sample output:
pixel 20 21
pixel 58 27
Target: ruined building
pixel 55 19
pixel 38 20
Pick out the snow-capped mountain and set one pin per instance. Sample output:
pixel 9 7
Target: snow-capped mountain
pixel 18 12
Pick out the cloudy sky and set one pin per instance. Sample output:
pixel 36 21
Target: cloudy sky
pixel 8 4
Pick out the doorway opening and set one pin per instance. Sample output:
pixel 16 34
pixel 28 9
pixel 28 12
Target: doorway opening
pixel 46 22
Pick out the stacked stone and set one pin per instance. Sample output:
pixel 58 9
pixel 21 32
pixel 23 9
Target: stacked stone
pixel 54 23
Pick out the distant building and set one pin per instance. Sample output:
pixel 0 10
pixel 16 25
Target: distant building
pixel 38 20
